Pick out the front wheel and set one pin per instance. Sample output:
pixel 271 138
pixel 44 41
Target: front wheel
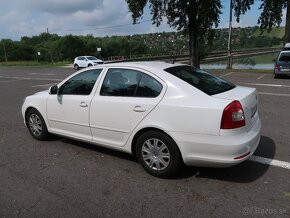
pixel 76 67
pixel 36 125
pixel 158 154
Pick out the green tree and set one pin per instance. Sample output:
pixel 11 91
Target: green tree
pixel 70 47
pixel 195 17
pixel 272 14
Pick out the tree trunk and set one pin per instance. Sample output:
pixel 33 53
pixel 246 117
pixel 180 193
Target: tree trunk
pixel 193 47
pixel 287 27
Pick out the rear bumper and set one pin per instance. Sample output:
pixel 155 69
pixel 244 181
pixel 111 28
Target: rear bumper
pixel 218 151
pixel 279 72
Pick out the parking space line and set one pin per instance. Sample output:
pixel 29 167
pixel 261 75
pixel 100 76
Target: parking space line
pixel 270 162
pixel 261 77
pixel 13 80
pixel 227 74
pixel 274 94
pixel 269 85
pixel 29 78
pixel 44 74
pixel 50 84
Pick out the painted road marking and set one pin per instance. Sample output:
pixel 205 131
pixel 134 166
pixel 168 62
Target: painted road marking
pixel 13 80
pixel 274 94
pixel 271 162
pixel 270 85
pixel 261 77
pixel 28 78
pixel 50 84
pixel 226 74
pixel 44 74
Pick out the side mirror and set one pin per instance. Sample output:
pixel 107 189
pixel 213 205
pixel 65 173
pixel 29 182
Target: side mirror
pixel 53 90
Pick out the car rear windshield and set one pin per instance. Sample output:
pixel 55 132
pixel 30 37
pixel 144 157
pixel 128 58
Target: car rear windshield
pixel 201 80
pixel 285 56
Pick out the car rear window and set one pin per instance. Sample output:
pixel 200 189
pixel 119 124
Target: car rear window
pixel 285 56
pixel 201 80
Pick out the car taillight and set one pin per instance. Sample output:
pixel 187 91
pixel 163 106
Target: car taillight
pixel 277 66
pixel 233 116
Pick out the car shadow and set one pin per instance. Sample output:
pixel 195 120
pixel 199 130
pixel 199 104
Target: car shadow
pixel 95 148
pixel 245 172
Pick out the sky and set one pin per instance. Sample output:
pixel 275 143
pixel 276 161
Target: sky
pixel 81 17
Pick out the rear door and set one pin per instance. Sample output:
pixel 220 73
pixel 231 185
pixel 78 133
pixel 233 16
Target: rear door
pixel 125 97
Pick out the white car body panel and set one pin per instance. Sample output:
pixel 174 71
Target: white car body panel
pixel 115 129
pixel 189 116
pixel 67 117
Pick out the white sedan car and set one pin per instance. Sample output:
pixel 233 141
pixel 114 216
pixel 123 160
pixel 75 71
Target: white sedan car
pixel 165 114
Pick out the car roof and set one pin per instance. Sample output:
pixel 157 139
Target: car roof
pixel 147 65
pixel 284 52
pixel 85 56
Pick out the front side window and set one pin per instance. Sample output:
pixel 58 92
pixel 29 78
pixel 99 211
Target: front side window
pixel 129 83
pixel 201 80
pixel 91 58
pixel 81 84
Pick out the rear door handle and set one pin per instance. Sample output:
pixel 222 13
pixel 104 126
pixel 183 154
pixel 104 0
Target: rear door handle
pixel 139 109
pixel 83 104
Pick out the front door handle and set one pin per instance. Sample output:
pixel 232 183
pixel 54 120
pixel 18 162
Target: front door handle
pixel 83 104
pixel 139 109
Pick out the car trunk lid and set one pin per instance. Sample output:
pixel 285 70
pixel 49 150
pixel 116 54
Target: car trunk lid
pixel 248 99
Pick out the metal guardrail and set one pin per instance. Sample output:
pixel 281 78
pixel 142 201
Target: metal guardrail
pixel 212 57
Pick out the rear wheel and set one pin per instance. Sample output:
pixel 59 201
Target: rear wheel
pixel 158 154
pixel 36 125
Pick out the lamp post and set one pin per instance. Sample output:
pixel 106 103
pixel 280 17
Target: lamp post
pixel 230 57
pixel 4 49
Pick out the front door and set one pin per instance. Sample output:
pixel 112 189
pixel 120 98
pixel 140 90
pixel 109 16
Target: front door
pixel 68 112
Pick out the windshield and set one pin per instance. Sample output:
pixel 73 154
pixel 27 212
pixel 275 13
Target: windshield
pixel 285 56
pixel 91 58
pixel 201 80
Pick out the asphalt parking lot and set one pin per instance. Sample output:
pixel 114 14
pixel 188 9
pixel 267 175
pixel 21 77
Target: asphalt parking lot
pixel 66 178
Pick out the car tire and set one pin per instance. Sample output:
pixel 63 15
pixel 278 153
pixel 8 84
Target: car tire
pixel 76 67
pixel 36 125
pixel 89 65
pixel 158 154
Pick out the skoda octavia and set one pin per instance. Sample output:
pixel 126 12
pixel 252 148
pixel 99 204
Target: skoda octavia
pixel 164 114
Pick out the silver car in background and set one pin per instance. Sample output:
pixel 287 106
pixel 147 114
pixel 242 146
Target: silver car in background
pixel 282 63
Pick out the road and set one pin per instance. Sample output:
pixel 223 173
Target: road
pixel 66 178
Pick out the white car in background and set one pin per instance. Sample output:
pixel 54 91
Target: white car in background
pixel 165 114
pixel 86 61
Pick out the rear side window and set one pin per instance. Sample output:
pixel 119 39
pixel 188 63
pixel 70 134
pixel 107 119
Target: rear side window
pixel 285 56
pixel 201 80
pixel 148 87
pixel 129 83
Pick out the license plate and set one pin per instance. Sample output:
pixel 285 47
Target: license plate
pixel 285 70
